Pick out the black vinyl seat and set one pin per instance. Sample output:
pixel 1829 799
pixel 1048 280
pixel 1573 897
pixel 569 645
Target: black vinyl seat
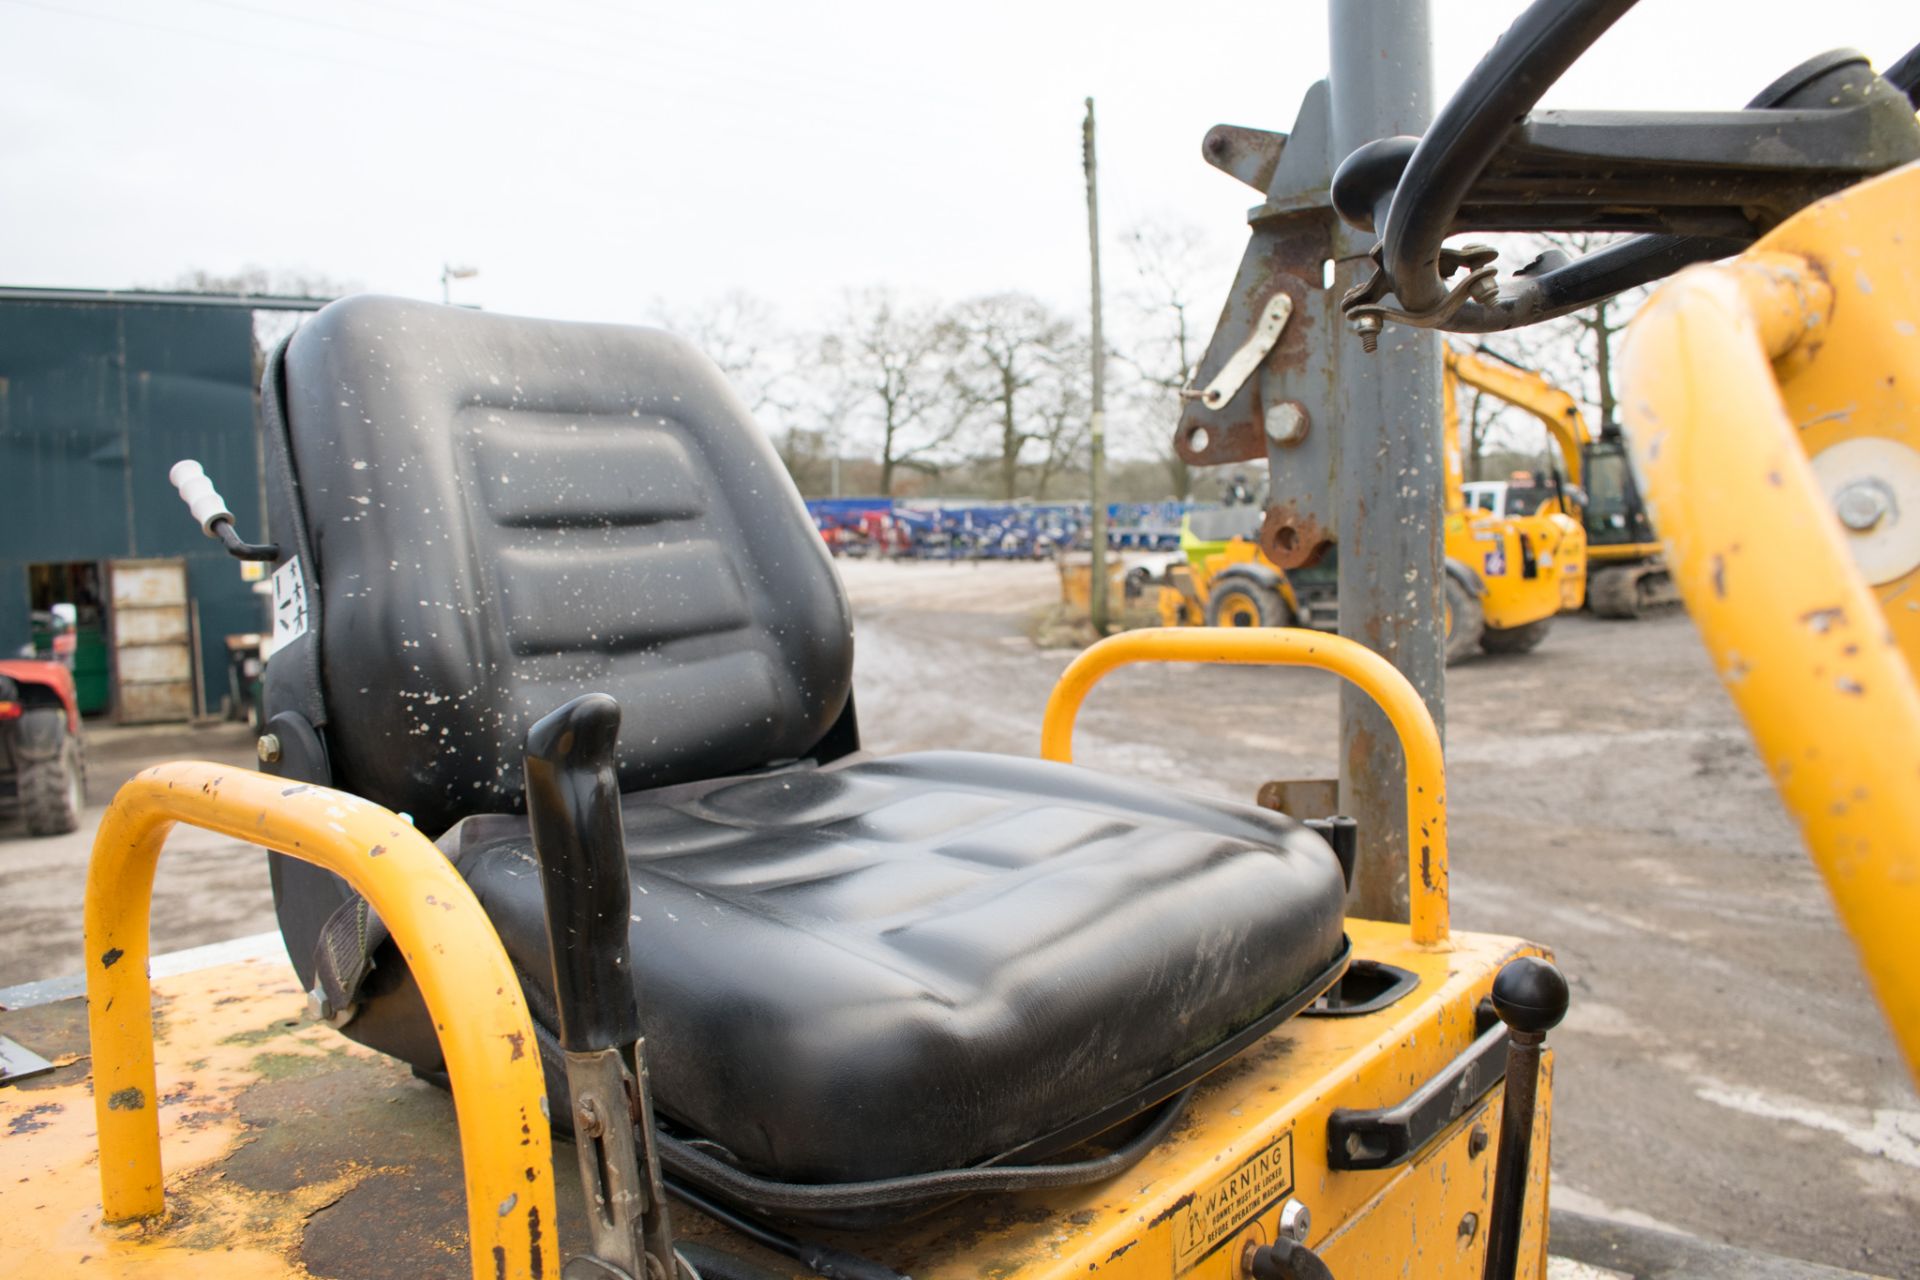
pixel 849 968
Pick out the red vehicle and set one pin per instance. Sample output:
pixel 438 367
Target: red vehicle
pixel 43 766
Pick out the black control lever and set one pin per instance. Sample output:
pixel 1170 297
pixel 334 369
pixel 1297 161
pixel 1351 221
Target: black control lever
pixel 573 803
pixel 1530 995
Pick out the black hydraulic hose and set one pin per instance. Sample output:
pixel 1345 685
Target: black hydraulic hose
pixel 1542 43
pixel 692 1164
pixel 821 1259
pixel 709 1263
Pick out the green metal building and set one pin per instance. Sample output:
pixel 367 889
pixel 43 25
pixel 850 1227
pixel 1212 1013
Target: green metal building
pixel 100 393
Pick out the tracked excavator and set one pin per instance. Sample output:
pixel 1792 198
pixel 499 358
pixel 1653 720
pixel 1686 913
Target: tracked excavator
pixel 1626 572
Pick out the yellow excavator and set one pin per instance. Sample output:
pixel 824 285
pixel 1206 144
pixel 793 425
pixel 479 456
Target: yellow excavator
pixel 1508 573
pixel 1626 572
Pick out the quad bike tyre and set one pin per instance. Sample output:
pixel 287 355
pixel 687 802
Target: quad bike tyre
pixel 1241 602
pixel 54 791
pixel 1521 639
pixel 1466 620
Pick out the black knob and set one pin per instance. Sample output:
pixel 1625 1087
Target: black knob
pixel 1530 995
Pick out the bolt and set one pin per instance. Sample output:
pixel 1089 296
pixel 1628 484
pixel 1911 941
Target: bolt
pixel 268 748
pixel 586 1118
pixel 1486 290
pixel 1295 1221
pixel 1862 505
pixel 1477 1140
pixel 1368 327
pixel 1286 422
pixel 1469 1227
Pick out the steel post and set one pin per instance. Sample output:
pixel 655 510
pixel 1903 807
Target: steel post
pixel 1390 468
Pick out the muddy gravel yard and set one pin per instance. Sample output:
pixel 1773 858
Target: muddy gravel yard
pixel 1723 1071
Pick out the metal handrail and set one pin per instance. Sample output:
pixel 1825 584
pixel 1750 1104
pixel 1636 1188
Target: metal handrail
pixel 465 978
pixel 1295 647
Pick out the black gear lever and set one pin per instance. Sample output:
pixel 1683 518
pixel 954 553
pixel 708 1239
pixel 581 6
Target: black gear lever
pixel 1530 995
pixel 573 804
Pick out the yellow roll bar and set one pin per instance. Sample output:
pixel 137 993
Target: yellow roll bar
pixel 1294 647
pixel 1799 638
pixel 469 986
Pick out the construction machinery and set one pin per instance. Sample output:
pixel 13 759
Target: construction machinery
pixel 1508 573
pixel 43 763
pixel 824 1000
pixel 1626 575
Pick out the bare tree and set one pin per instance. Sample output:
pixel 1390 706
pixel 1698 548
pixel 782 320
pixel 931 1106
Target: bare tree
pixel 1063 416
pixel 741 333
pixel 291 282
pixel 1169 262
pixel 1580 348
pixel 888 359
pixel 1011 349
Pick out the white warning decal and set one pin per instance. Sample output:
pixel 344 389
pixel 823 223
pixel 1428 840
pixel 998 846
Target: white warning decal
pixel 1216 1214
pixel 289 603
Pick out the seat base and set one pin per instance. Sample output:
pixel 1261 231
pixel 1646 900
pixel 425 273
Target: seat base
pixel 889 967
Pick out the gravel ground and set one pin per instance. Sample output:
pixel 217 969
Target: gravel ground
pixel 1724 1071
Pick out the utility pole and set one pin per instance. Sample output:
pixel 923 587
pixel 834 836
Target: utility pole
pixel 1097 589
pixel 1391 472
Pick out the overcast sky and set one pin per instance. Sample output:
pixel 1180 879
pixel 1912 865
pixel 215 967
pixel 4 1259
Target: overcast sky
pixel 591 156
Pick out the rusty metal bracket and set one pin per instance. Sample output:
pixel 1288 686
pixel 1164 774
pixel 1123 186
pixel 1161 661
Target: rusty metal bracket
pixel 1292 537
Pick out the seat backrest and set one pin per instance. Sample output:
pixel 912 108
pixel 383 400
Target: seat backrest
pixel 502 513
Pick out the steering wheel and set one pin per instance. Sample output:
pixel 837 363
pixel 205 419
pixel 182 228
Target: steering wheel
pixel 1698 185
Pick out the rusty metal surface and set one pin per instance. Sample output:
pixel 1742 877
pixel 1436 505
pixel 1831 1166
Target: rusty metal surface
pixel 1292 537
pixel 1301 797
pixel 295 1153
pixel 1391 472
pixel 1250 155
pixel 1288 251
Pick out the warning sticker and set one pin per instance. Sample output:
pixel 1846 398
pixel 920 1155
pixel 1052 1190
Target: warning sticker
pixel 289 603
pixel 1220 1211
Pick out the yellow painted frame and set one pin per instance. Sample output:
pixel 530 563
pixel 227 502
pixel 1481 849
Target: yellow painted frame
pixel 493 1061
pixel 1295 647
pixel 1734 374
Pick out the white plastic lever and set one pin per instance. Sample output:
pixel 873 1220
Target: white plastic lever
pixel 199 494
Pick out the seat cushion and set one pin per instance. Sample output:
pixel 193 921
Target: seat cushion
pixel 898 965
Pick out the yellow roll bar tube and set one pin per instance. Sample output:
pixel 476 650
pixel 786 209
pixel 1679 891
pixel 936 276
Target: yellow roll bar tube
pixel 1294 647
pixel 1800 641
pixel 462 970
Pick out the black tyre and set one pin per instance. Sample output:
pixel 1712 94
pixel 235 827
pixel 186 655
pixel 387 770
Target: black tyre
pixel 53 792
pixel 1242 602
pixel 1466 620
pixel 1518 639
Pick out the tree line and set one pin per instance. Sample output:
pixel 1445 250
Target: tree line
pixel 987 396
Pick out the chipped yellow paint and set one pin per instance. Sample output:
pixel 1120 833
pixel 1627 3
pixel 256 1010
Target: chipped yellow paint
pixel 1734 377
pixel 1287 1084
pixel 464 976
pixel 214 1049
pixel 1296 647
pixel 225 1029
